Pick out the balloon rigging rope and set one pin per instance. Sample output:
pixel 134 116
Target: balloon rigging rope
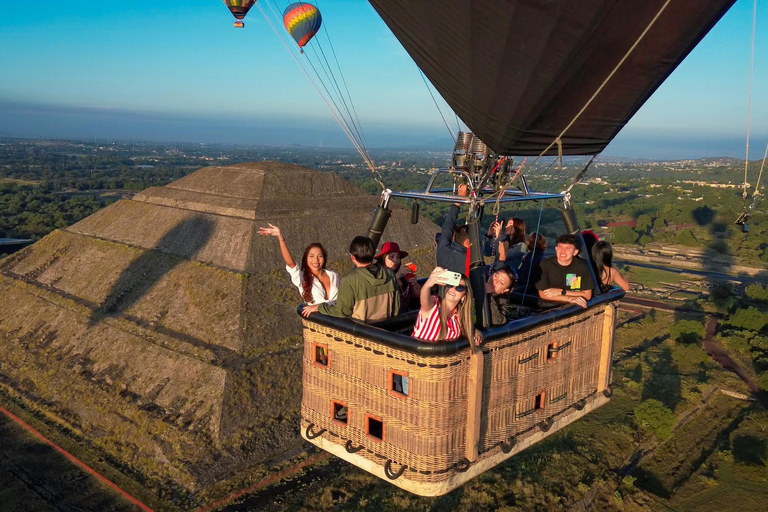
pixel 344 81
pixel 343 99
pixel 749 97
pixel 275 11
pixel 342 124
pixel 450 132
pixel 558 139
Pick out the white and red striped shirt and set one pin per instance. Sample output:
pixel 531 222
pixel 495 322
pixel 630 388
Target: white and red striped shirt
pixel 428 329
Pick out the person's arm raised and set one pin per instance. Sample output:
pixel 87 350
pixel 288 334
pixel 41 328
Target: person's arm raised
pixel 273 230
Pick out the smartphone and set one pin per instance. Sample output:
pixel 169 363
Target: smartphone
pixel 448 277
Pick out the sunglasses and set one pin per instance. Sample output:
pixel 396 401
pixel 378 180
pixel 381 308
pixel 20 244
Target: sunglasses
pixel 460 288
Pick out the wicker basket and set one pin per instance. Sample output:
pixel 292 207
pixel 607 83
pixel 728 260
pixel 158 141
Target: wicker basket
pixel 408 417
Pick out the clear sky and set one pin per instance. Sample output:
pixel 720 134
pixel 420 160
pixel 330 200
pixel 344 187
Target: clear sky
pixel 178 71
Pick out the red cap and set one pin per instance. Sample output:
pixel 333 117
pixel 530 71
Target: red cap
pixel 389 247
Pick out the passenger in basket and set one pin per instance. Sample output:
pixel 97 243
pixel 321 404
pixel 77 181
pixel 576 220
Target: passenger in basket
pixel 453 246
pixel 367 293
pixel 498 287
pixel 529 267
pixel 392 257
pixel 565 277
pixel 602 252
pixel 316 284
pixel 449 318
pixel 508 243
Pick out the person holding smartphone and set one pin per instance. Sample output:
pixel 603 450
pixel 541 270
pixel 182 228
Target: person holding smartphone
pixel 450 318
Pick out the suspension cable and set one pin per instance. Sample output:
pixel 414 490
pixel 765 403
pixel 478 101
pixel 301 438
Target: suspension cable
pixel 343 80
pixel 558 139
pixel 366 158
pixel 757 193
pixel 749 98
pixel 426 84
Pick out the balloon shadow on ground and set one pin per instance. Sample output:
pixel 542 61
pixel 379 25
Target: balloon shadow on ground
pixel 180 243
pixel 663 383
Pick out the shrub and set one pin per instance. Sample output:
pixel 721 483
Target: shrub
pixel 756 292
pixel 686 331
pixel 750 318
pixel 762 381
pixel 654 416
pixel 686 237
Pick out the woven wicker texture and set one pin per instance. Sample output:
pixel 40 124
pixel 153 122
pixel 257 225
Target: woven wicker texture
pixel 426 431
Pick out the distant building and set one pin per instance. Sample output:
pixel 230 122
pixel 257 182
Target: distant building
pixel 631 223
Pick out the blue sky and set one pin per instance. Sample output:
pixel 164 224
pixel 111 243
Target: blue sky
pixel 179 71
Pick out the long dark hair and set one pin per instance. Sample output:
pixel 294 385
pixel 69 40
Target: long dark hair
pixel 518 231
pixel 602 254
pixel 306 274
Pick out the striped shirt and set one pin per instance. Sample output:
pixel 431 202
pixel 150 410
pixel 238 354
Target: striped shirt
pixel 428 329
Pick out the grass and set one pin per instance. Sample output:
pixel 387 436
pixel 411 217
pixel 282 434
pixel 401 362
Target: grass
pixel 651 277
pixel 20 182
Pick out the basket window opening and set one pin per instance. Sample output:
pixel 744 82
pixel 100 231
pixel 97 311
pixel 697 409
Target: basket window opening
pixel 321 355
pixel 538 401
pixel 552 351
pixel 374 427
pixel 340 413
pixel 400 383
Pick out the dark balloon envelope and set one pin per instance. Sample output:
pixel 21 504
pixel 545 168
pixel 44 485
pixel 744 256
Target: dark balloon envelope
pixel 518 71
pixel 239 8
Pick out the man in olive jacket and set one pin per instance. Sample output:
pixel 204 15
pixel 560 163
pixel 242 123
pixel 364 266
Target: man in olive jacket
pixel 367 293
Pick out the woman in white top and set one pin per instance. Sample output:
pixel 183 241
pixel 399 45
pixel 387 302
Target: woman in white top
pixel 316 284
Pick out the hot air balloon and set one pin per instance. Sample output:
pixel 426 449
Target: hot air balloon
pixel 302 20
pixel 528 77
pixel 239 8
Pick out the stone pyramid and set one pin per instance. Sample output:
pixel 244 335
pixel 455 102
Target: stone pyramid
pixel 162 330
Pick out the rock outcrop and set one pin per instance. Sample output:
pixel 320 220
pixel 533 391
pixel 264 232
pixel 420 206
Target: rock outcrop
pixel 162 329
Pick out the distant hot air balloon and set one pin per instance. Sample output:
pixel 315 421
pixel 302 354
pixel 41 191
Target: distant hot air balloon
pixel 302 20
pixel 239 8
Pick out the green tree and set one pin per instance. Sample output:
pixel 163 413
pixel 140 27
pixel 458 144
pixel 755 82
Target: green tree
pixel 762 381
pixel 722 296
pixel 644 223
pixel 756 292
pixel 687 331
pixel 686 237
pixel 654 416
pixel 624 235
pixel 750 318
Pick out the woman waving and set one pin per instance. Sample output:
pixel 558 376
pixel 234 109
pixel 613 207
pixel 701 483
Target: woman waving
pixel 316 284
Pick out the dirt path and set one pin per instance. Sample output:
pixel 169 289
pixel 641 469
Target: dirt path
pixel 723 358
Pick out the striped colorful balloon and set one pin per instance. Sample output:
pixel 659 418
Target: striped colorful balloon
pixel 239 8
pixel 302 20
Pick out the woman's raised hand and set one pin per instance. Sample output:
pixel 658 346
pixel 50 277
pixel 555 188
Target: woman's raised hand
pixel 272 230
pixel 497 229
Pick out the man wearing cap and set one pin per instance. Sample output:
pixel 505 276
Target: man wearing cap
pixel 391 257
pixel 367 293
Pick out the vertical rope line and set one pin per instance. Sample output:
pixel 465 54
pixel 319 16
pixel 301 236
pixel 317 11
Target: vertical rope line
pixel 759 179
pixel 343 80
pixel 450 132
pixel 615 69
pixel 348 119
pixel 333 113
pixel 749 98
